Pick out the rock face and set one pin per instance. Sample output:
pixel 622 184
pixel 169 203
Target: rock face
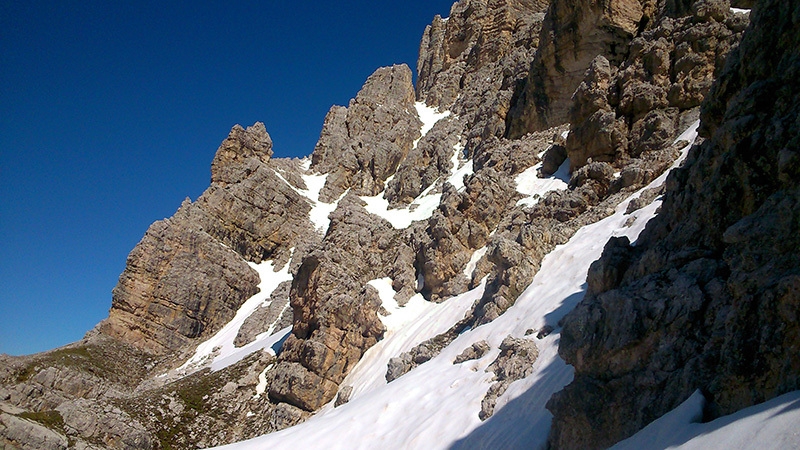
pixel 469 65
pixel 632 108
pixel 335 311
pixel 708 297
pixel 361 146
pixel 472 62
pixel 572 35
pixel 188 275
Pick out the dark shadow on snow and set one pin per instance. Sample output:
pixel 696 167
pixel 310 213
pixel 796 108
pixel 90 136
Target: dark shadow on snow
pixel 523 423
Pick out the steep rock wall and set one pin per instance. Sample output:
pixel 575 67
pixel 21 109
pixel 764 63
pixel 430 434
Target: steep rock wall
pixel 572 35
pixel 188 275
pixel 708 297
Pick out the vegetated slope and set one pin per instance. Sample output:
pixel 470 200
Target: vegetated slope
pixel 406 242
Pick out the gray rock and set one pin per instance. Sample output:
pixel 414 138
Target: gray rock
pixel 399 366
pixel 276 316
pixel 706 298
pixel 474 351
pixel 343 396
pixel 361 146
pixel 18 433
pixel 471 63
pixel 514 362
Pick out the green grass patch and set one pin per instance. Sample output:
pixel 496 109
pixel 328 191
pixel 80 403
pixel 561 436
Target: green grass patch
pixel 50 419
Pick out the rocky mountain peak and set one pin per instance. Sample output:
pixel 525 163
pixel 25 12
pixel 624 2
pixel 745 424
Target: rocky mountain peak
pixel 361 146
pixel 230 162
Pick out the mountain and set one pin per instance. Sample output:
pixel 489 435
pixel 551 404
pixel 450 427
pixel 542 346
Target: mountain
pixel 581 220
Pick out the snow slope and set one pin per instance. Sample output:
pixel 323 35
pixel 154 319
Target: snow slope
pixel 771 425
pixel 436 405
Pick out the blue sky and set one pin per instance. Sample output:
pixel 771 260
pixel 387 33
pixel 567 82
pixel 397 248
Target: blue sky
pixel 110 114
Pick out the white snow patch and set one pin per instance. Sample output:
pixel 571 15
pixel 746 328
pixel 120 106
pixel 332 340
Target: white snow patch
pixel 314 184
pixel 460 169
pixel 385 291
pixel 399 316
pixel 264 341
pixel 218 351
pixel 401 218
pixel 740 11
pixel 429 117
pixel 319 210
pixel 437 403
pixel 533 187
pixel 770 425
pixel 262 382
pixel 473 261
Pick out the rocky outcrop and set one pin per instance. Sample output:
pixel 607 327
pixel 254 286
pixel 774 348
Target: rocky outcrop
pixel 361 146
pixel 468 65
pixel 167 295
pixel 335 311
pixel 471 62
pixel 274 316
pixel 478 34
pixel 572 35
pixel 514 362
pixel 637 107
pixel 428 163
pixel 707 297
pixel 474 351
pixel 187 277
pixel 18 432
pixel 252 205
pixel 65 398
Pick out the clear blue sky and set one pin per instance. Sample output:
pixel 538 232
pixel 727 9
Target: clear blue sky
pixel 111 111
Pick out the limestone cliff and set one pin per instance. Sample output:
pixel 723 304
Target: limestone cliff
pixel 188 275
pixel 708 296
